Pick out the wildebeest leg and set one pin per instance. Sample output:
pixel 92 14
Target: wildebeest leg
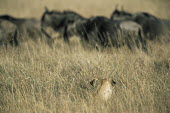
pixel 137 42
pixel 6 46
pixel 15 38
pixel 50 39
pixel 143 42
pixel 144 46
pixel 130 42
pixel 102 39
pixel 130 46
pixel 65 35
pixel 46 34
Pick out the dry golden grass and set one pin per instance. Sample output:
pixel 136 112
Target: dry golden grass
pixel 37 79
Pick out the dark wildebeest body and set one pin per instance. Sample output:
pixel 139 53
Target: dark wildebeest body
pixel 58 21
pixel 105 32
pixel 152 26
pixel 94 31
pixel 27 28
pixel 8 33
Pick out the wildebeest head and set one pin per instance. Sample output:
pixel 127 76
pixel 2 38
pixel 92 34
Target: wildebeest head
pixel 120 15
pixel 52 19
pixel 58 20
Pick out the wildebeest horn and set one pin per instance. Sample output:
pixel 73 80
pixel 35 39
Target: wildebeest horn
pixel 122 8
pixel 46 9
pixel 116 7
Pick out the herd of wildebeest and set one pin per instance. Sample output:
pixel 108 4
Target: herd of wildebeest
pixel 123 28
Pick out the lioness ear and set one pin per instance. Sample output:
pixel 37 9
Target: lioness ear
pixel 93 82
pixel 113 82
pixel 46 9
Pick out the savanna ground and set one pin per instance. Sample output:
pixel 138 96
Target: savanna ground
pixel 37 79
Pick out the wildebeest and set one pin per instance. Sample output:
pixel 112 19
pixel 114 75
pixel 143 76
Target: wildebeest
pixel 104 32
pixel 99 31
pixel 58 21
pixel 153 27
pixel 8 33
pixel 27 28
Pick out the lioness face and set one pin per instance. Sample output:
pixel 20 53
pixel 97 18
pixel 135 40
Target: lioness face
pixel 104 87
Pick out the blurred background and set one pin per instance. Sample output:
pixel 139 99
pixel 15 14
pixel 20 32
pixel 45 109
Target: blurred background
pixel 87 8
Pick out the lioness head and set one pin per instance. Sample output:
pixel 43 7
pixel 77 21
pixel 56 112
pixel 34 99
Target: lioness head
pixel 104 87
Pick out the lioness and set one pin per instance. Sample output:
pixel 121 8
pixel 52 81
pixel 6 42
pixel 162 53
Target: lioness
pixel 103 87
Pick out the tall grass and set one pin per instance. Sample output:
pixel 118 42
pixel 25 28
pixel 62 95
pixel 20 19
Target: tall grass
pixel 35 78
